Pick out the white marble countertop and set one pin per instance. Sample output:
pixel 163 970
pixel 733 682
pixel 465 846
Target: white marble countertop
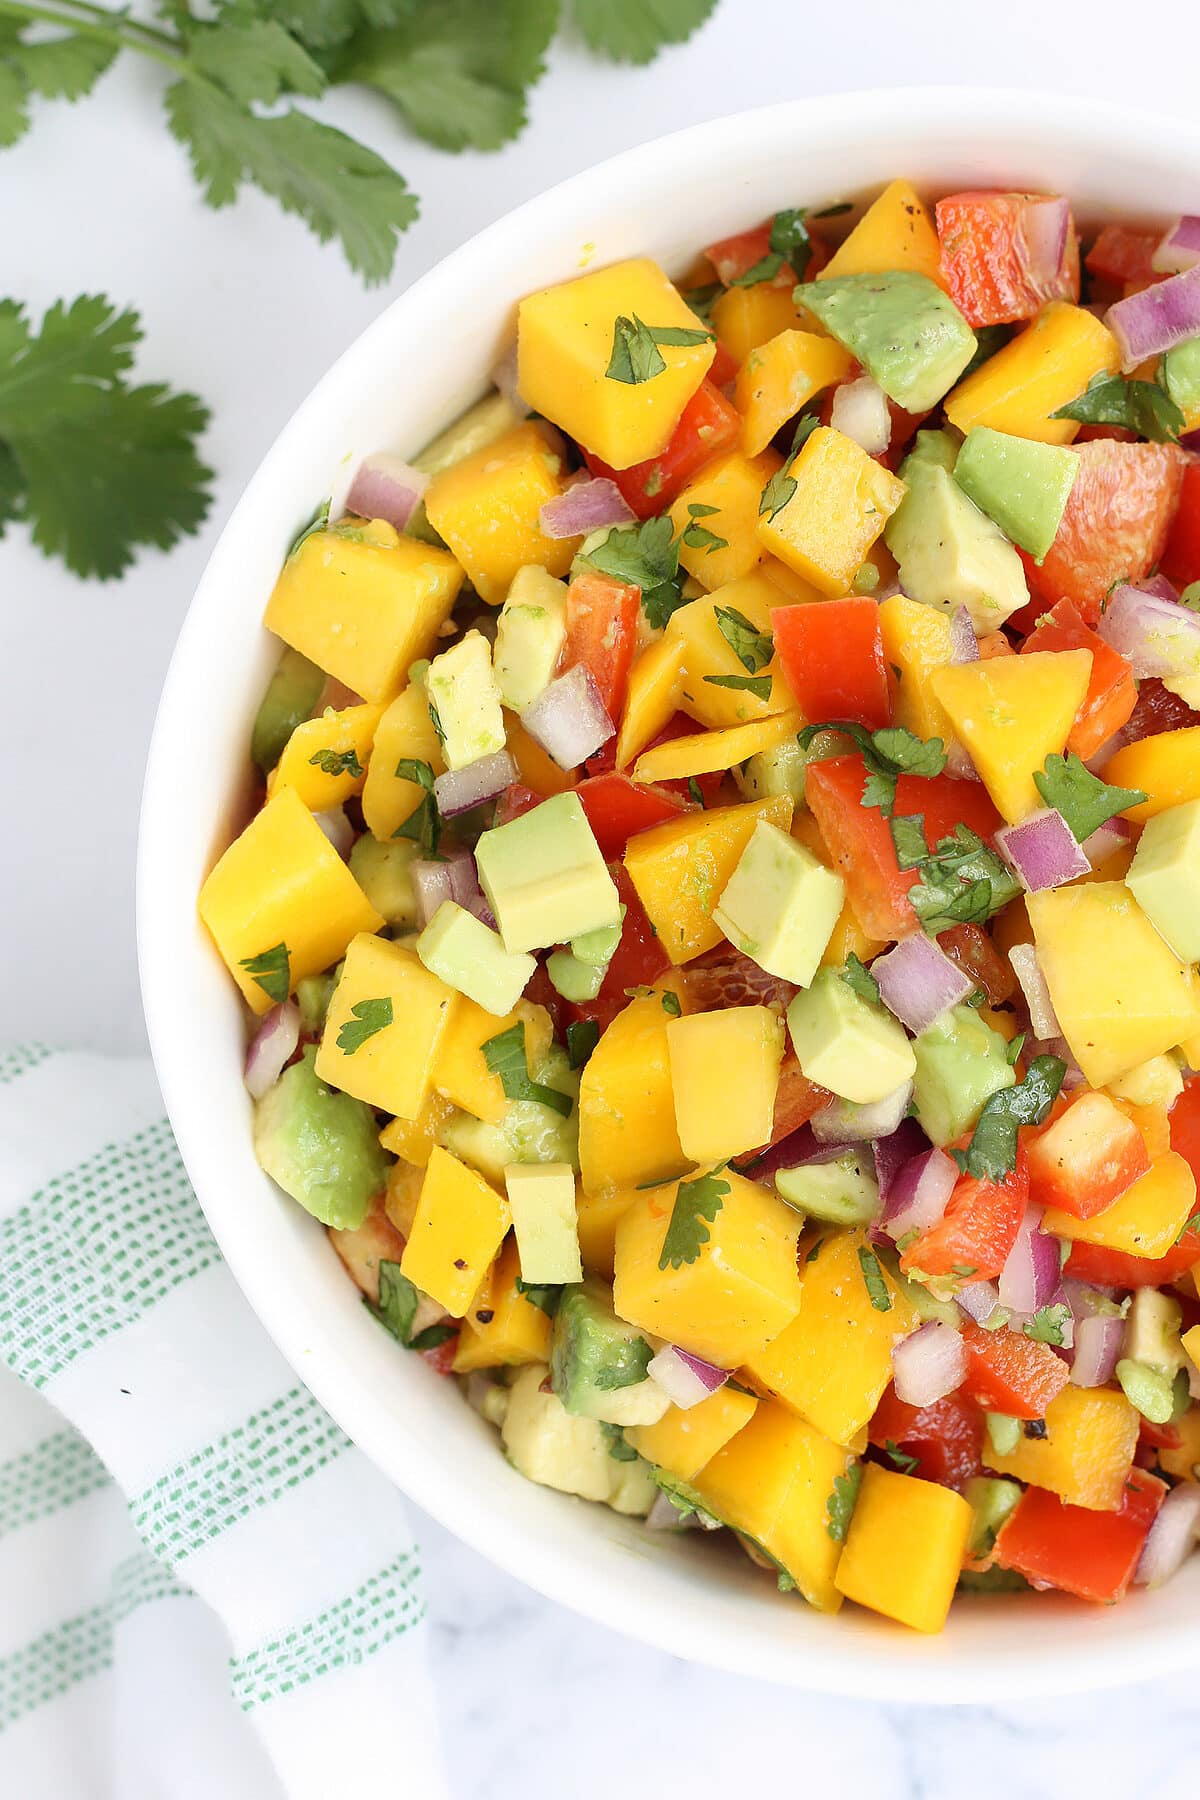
pixel 245 308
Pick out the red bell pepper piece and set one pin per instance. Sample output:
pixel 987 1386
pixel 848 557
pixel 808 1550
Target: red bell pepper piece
pixel 1010 1373
pixel 1112 691
pixel 946 1438
pixel 991 261
pixel 1086 1158
pixel 708 425
pixel 514 801
pixel 1121 254
pixel 735 256
pixel 1116 1268
pixel 860 840
pixel 1090 1554
pixel 833 661
pixel 972 1240
pixel 639 959
pixel 602 616
pixel 724 366
pixel 1181 558
pixel 440 1357
pixel 617 809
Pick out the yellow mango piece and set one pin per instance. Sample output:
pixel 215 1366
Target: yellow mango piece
pixel 1120 993
pixel 626 1109
pixel 681 868
pixel 500 1327
pixel 849 938
pixel 1044 367
pixel 1086 1454
pixel 1145 1221
pixel 401 1195
pixel 842 500
pixel 565 343
pixel 733 484
pixel 1165 768
pixel 895 232
pixel 905 1548
pixel 363 603
pixel 707 652
pixel 283 883
pixel 413 1139
pixel 1184 1460
pixel 745 317
pixel 325 759
pixel 685 1439
pixel 460 1224
pixel 1012 712
pixel 486 507
pixel 460 1074
pixel 832 1363
pixel 917 639
pixel 596 1219
pixel 724 1075
pixel 739 1291
pixel 781 377
pixel 702 752
pixel 534 767
pixel 391 1068
pixel 655 681
pixel 772 1483
pixel 793 587
pixel 404 733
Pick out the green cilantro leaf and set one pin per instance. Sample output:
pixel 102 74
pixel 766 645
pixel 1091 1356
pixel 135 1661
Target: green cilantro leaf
pixel 758 685
pixel 839 1507
pixel 687 1234
pixel 697 536
pixel 1084 801
pixel 636 356
pixel 908 836
pixel 782 484
pixel 271 969
pixel 860 979
pixel 544 1296
pixel 1047 1324
pixel 370 1016
pixel 505 1057
pixel 582 1037
pixel 646 556
pixel 59 68
pixel 695 792
pixel 992 1152
pixel 253 59
pixel 1015 1047
pixel 789 243
pixel 872 1274
pixel 318 523
pixel 337 762
pixel 899 1459
pixel 1140 406
pixel 670 1002
pixel 988 339
pixel 700 301
pixel 961 882
pixel 433 1335
pixel 424 824
pixel 396 1310
pixel 752 647
pixel 618 1449
pixel 888 753
pixel 636 30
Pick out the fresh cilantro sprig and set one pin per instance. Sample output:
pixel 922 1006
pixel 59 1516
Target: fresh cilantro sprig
pixel 752 647
pixel 505 1057
pixel 758 685
pixel 369 1017
pixel 337 762
pixel 1084 801
pixel 396 1310
pixel 647 557
pixel 424 824
pixel 271 969
pixel 582 1037
pixel 636 354
pixel 695 1201
pixel 961 882
pixel 1048 1324
pixel 992 1152
pixel 782 484
pixel 544 1296
pixel 697 536
pixel 872 1274
pixel 888 754
pixel 788 242
pixel 839 1507
pixel 1140 406
pixel 860 979
pixel 899 1459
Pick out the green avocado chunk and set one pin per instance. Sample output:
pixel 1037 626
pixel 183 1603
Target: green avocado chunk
pixel 598 1362
pixel 961 1062
pixel 321 1146
pixel 949 553
pixel 1022 485
pixel 291 697
pixel 908 335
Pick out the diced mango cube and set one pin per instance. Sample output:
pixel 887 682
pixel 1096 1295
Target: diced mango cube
pixel 487 509
pixel 566 338
pixel 1012 712
pixel 626 1108
pixel 680 869
pixel 325 759
pixel 501 1327
pixel 655 681
pixel 1146 1221
pixel 596 1219
pixel 779 378
pixel 895 232
pixel 745 317
pixel 733 484
pixel 363 603
pixel 841 502
pixel 282 887
pixel 460 1074
pixel 1166 768
pixel 724 1075
pixel 413 1139
pixel 708 653
pixel 685 1439
pixel 1183 1459
pixel 385 1021
pixel 1086 1454
pixel 905 1548
pixel 917 639
pixel 402 1194
pixel 1044 367
pixel 460 1224
pixel 702 752
pixel 739 1290
pixel 405 733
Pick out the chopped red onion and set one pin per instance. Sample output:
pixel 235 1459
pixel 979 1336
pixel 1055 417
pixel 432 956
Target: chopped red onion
pixel 1172 1536
pixel 1045 223
pixel 568 719
pixel 919 1194
pixel 1179 248
pixel 588 506
pixel 893 1151
pixel 337 829
pixel 458 790
pixel 452 878
pixel 386 487
pixel 482 911
pixel 959 764
pixel 929 1364
pixel 854 1122
pixel 1028 971
pixel 1098 1341
pixel 964 645
pixel 1152 631
pixel 1104 842
pixel 1157 318
pixel 860 411
pixel 685 1379
pixel 271 1048
pixel 979 1300
pixel 918 982
pixel 1042 851
pixel 795 1151
pixel 1031 1274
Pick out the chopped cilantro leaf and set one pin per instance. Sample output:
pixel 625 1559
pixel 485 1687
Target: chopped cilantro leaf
pixel 396 1307
pixel 687 1234
pixel 670 1002
pixel 908 837
pixel 961 882
pixel 752 647
pixel 337 762
pixel 782 484
pixel 318 522
pixel 618 1449
pixel 858 977
pixel 271 969
pixel 887 753
pixel 646 556
pixel 582 1037
pixel 1084 801
pixel 636 357
pixel 900 1459
pixel 1016 1045
pixel 632 31
pixel 839 1507
pixel 505 1057
pixel 758 685
pixel 424 824
pixel 695 791
pixel 992 1152
pixel 1140 406
pixel 540 1294
pixel 788 243
pixel 1047 1324
pixel 370 1017
pixel 877 1290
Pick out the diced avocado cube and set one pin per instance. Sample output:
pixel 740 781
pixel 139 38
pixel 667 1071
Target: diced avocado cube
pixel 313 995
pixel 544 876
pixel 1164 877
pixel 931 450
pixel 321 1146
pixel 1156 1082
pixel 599 946
pixel 949 553
pixel 551 1446
pixel 291 697
pixel 961 1062
pixel 542 1201
pixel 598 1362
pixel 841 1192
pixel 474 430
pixel 991 1500
pixel 907 334
pixel 846 1044
pixel 780 905
pixel 1152 1330
pixel 384 873
pixel 1022 485
pixel 530 634
pixel 575 980
pixel 1004 1432
pixel 779 770
pixel 465 701
pixel 1148 1388
pixel 1179 373
pixel 469 956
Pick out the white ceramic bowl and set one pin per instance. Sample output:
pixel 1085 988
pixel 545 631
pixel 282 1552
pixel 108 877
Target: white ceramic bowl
pixel 408 375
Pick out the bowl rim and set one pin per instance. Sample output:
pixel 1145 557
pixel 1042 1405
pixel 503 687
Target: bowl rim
pixel 886 1669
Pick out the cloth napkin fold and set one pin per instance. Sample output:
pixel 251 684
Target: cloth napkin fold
pixel 205 1589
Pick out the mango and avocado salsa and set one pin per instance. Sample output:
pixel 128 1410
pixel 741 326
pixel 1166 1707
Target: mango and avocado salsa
pixel 720 921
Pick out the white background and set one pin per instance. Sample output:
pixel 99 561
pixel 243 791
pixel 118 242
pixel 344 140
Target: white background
pixel 247 310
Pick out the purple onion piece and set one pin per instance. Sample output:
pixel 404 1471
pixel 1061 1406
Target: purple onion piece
pixel 855 1122
pixel 386 487
pixel 1042 851
pixel 589 505
pixel 918 982
pixel 893 1151
pixel 458 790
pixel 1097 1349
pixel 979 1300
pixel 568 719
pixel 919 1194
pixel 1028 970
pixel 1158 318
pixel 1179 248
pixel 1152 631
pixel 929 1364
pixel 271 1048
pixel 435 882
pixel 1031 1273
pixel 964 645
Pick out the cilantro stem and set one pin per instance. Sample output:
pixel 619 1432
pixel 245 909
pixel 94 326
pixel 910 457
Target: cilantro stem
pixel 105 13
pixel 118 32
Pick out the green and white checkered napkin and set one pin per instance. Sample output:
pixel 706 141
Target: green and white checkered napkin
pixel 205 1589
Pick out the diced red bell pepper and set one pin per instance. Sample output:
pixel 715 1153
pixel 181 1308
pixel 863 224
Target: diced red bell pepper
pixel 946 1438
pixel 725 977
pixel 1090 1554
pixel 514 801
pixel 708 425
pixel 972 949
pixel 1117 1268
pixel 1084 1160
pixel 638 961
pixel 602 617
pixel 1010 1373
pixel 733 257
pixel 1112 690
pixel 1157 709
pixel 618 808
pixel 860 840
pixel 1122 254
pixel 1181 558
pixel 972 1239
pixel 440 1357
pixel 797 1099
pixel 1158 1437
pixel 995 266
pixel 724 366
pixel 832 657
